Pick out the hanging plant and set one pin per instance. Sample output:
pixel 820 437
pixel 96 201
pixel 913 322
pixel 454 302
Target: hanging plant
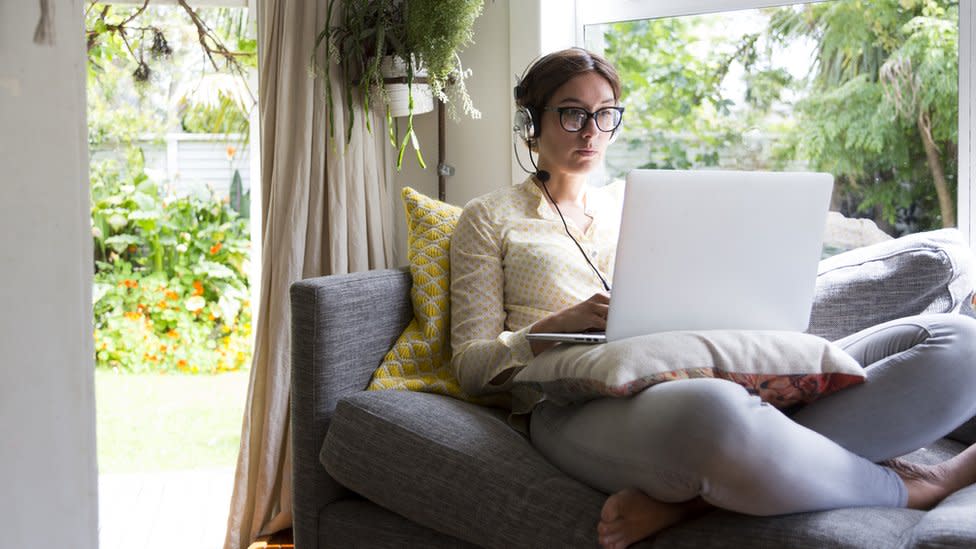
pixel 423 37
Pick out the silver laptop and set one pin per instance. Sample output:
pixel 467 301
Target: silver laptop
pixel 710 250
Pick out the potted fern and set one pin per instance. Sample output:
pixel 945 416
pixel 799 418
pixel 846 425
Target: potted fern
pixel 420 37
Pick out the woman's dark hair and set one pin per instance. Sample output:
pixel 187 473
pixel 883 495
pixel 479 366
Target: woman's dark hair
pixel 547 74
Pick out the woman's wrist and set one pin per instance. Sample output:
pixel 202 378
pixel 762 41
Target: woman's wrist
pixel 546 324
pixel 543 325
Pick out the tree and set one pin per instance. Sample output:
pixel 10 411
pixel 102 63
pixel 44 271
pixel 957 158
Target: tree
pixel 679 112
pixel 156 70
pixel 881 108
pixel 878 107
pixel 675 112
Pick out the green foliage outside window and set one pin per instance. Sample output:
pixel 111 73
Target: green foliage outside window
pixel 675 110
pixel 171 291
pixel 883 99
pixel 878 108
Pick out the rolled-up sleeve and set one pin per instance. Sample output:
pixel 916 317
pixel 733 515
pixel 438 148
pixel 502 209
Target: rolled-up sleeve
pixel 485 354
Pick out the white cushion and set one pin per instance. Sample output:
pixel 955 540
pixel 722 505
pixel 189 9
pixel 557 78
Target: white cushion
pixel 783 368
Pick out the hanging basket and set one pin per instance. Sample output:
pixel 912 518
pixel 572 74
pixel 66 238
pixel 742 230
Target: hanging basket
pixel 398 92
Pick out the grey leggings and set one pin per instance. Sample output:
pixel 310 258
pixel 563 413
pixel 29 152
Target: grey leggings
pixel 710 438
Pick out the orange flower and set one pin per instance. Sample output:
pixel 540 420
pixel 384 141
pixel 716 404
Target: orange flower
pixel 181 364
pixel 173 334
pixel 197 287
pixel 129 283
pixel 231 151
pixel 171 295
pixel 161 304
pixel 216 248
pixel 132 315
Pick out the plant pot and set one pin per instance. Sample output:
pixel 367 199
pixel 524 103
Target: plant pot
pixel 398 94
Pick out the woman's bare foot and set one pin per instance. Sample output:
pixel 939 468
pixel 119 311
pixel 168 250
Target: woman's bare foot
pixel 631 515
pixel 929 484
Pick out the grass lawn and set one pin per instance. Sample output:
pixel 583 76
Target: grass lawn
pixel 153 422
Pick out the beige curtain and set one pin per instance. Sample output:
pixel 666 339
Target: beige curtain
pixel 326 208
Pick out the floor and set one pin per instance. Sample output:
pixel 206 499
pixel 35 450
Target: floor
pixel 185 509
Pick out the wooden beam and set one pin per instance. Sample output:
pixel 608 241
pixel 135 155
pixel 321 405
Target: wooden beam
pixel 193 3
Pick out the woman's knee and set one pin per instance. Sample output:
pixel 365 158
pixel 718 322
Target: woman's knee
pixel 961 341
pixel 945 364
pixel 953 339
pixel 964 328
pixel 708 416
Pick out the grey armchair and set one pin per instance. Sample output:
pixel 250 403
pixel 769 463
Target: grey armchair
pixel 400 469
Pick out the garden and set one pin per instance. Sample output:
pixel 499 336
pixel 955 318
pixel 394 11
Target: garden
pixel 171 291
pixel 172 296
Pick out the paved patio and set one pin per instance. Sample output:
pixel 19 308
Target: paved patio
pixel 173 509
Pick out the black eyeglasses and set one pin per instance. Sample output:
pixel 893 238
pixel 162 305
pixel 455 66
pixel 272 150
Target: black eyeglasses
pixel 572 119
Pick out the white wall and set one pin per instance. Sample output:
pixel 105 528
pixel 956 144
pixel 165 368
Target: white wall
pixel 47 410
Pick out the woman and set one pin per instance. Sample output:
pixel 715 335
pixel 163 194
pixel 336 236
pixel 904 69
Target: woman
pixel 678 448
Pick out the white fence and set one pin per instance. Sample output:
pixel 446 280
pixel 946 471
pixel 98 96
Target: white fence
pixel 188 163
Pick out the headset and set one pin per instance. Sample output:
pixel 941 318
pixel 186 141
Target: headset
pixel 525 120
pixel 525 117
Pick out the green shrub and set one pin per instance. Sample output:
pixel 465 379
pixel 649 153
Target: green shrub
pixel 171 290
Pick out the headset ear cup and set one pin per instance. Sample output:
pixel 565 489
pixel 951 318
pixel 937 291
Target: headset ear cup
pixel 524 125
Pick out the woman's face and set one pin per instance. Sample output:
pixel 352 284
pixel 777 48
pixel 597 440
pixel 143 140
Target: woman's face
pixel 574 153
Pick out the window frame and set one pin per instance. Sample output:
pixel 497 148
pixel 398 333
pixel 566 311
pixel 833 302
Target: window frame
pixel 590 12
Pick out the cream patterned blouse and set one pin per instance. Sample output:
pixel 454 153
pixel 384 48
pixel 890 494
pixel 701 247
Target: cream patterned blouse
pixel 512 264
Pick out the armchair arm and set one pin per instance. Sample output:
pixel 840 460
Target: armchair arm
pixel 341 327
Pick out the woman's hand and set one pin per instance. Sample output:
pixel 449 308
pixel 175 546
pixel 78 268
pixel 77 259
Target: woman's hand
pixel 589 315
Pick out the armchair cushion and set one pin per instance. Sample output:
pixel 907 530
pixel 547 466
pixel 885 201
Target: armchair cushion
pixel 929 272
pixel 457 468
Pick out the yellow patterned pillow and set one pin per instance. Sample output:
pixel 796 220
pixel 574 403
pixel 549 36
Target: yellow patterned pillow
pixel 420 360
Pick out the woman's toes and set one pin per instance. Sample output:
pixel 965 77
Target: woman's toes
pixel 613 540
pixel 612 508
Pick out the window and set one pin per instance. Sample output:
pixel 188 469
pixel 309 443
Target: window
pixel 868 91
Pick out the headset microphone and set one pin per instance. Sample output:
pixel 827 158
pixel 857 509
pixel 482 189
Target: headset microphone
pixel 541 175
